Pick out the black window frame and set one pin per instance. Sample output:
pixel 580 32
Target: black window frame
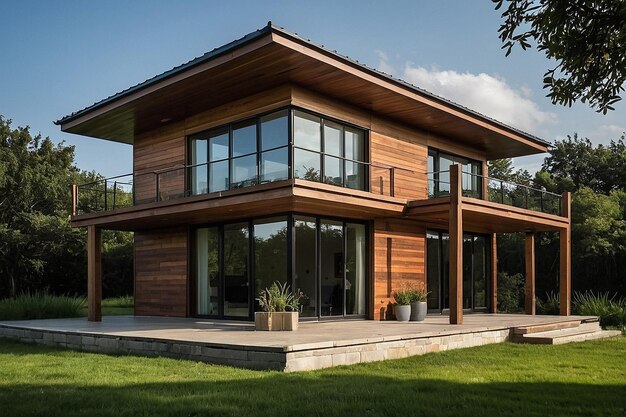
pixel 437 154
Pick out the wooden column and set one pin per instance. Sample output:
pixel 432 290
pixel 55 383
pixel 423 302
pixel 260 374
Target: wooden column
pixel 94 274
pixel 529 282
pixel 565 271
pixel 494 273
pixel 485 181
pixel 456 246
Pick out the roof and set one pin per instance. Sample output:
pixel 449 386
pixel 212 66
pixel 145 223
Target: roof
pixel 272 28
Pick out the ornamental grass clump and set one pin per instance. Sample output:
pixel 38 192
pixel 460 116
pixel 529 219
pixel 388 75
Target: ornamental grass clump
pixel 41 305
pixel 610 309
pixel 279 298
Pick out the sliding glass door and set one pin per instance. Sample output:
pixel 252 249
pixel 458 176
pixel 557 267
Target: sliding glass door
pixel 476 263
pixel 326 259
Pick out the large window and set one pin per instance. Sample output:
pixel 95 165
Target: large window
pixel 260 150
pixel 324 258
pixel 476 256
pixel 439 175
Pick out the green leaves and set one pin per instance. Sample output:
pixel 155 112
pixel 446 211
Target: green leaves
pixel 587 39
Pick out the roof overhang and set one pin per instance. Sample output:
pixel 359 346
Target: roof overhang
pixel 271 57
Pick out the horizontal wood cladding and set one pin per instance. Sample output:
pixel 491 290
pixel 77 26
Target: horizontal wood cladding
pixel 399 253
pixel 161 272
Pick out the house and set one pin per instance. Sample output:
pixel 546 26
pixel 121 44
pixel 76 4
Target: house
pixel 272 158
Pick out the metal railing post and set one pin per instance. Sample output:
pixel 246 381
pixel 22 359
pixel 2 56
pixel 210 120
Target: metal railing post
pixel 114 193
pixel 392 174
pixel 106 195
pixel 502 191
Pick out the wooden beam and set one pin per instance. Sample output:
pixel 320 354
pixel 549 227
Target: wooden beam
pixel 94 274
pixel 529 282
pixel 494 273
pixel 565 271
pixel 456 246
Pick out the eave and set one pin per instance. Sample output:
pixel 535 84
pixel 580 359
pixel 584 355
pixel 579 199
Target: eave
pixel 271 57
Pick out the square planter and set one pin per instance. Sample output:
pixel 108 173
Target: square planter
pixel 276 321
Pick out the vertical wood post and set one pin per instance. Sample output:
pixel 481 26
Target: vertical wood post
pixel 74 199
pixel 456 246
pixel 565 271
pixel 529 282
pixel 94 274
pixel 494 273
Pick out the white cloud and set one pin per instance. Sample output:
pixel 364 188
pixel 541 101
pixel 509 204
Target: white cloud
pixel 383 63
pixel 484 93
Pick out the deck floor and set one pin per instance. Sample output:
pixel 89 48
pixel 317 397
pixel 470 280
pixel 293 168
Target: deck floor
pixel 216 341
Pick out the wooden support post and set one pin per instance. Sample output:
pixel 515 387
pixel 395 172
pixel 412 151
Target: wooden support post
pixel 565 271
pixel 456 246
pixel 529 282
pixel 494 273
pixel 74 199
pixel 94 274
pixel 485 182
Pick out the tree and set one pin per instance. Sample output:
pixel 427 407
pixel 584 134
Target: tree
pixel 39 250
pixel 586 38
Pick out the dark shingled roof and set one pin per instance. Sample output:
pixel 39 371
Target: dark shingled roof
pixel 269 28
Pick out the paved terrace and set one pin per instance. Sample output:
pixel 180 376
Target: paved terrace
pixel 315 345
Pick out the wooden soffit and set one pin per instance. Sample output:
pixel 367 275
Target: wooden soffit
pixel 276 57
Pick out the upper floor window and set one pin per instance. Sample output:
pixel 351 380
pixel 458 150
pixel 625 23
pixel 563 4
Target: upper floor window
pixel 259 150
pixel 439 174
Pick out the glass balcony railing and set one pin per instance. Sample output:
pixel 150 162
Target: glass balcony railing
pixel 497 190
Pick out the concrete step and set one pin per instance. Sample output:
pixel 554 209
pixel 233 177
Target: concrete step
pixel 544 327
pixel 588 331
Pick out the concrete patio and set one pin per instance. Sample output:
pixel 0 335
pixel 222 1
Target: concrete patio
pixel 315 345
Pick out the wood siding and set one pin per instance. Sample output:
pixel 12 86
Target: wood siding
pixel 161 272
pixel 399 253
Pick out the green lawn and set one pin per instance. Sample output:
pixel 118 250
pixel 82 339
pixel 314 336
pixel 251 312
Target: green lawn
pixel 582 379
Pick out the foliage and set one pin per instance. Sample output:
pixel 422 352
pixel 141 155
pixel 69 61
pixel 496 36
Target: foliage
pixel 39 250
pixel 41 305
pixel 510 293
pixel 586 38
pixel 578 379
pixel 404 296
pixel 279 297
pixel 610 309
pixel 549 306
pixel 419 293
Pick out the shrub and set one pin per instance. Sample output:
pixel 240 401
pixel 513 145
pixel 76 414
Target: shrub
pixel 279 297
pixel 125 301
pixel 510 292
pixel 41 305
pixel 610 309
pixel 550 305
pixel 403 297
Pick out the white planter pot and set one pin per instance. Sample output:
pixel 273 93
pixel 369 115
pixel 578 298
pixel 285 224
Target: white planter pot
pixel 403 312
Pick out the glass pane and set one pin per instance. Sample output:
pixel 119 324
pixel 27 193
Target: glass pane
pixel 236 246
pixel 207 271
pixel 198 173
pixel 332 264
pixel 306 165
pixel 218 175
pixel 244 138
pixel 270 253
pixel 467 271
pixel 444 175
pixel 333 139
pixel 355 175
pixel 480 272
pixel 354 144
pixel 218 145
pixel 274 130
pixel 355 268
pixel 433 270
pixel 306 131
pixel 333 170
pixel 305 277
pixel 431 176
pixel 445 275
pixel 275 165
pixel 243 171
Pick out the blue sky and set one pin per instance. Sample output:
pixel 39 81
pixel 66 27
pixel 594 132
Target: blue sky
pixel 59 57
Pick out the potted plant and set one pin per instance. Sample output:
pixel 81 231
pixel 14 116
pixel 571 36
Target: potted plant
pixel 402 308
pixel 418 303
pixel 279 307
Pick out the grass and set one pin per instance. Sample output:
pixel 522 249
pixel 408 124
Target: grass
pixel 41 305
pixel 581 379
pixel 118 306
